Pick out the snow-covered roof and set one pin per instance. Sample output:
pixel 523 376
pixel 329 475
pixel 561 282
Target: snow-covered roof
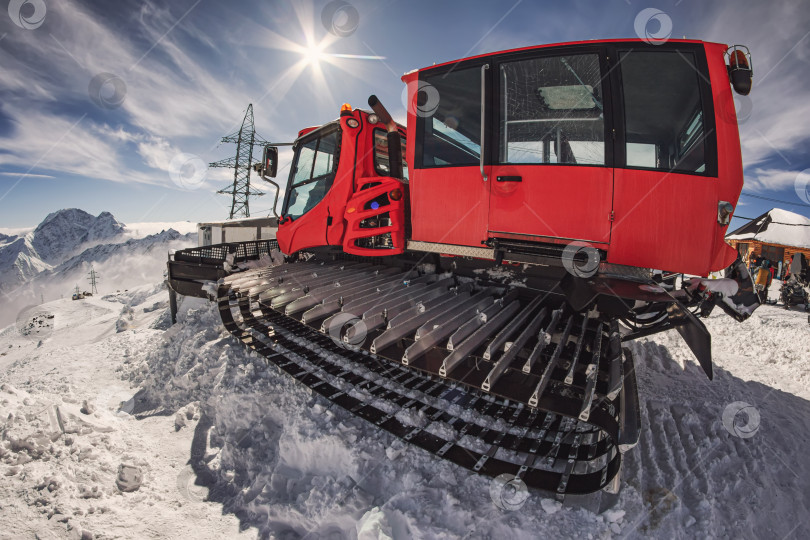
pixel 776 226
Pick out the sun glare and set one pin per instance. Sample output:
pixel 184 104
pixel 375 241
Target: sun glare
pixel 314 54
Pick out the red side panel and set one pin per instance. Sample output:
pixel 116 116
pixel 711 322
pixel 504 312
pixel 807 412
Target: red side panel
pixel 551 201
pixel 663 221
pixel 730 166
pixel 358 209
pixel 449 205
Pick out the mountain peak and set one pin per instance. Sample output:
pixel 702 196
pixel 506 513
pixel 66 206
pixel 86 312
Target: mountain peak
pixel 63 231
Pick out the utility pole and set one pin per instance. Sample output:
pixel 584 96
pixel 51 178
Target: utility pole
pixel 94 277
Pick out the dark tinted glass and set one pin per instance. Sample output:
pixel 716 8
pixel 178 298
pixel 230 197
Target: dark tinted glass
pixel 450 107
pixel 664 124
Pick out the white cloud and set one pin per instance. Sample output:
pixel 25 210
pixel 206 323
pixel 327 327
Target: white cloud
pixel 770 179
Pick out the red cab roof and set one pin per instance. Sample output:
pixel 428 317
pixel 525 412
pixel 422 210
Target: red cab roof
pixel 549 45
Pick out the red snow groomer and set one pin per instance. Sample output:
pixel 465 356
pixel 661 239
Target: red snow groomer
pixel 467 284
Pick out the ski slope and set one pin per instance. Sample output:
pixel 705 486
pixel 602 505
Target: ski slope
pixel 230 448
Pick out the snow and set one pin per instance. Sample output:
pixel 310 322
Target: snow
pixel 116 424
pixel 229 447
pixel 788 229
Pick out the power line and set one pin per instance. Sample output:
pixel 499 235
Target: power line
pixel 747 194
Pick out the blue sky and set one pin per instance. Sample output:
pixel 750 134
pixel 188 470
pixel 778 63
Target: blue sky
pixel 174 77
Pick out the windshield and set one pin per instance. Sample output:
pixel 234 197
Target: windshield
pixel 312 173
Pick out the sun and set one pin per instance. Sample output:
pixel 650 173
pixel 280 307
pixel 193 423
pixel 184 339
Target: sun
pixel 314 53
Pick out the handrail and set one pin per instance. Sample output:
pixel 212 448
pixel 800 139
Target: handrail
pixel 484 69
pixel 242 251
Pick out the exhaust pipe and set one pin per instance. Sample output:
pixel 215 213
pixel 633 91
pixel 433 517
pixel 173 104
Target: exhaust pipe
pixel 394 144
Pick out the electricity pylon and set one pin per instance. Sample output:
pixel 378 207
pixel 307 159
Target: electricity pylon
pixel 241 190
pixel 94 277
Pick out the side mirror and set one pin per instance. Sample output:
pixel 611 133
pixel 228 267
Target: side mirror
pixel 270 161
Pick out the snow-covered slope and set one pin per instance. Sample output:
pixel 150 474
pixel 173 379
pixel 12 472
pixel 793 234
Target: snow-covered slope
pixel 228 446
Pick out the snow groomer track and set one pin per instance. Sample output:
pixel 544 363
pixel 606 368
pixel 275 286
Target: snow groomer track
pixel 496 380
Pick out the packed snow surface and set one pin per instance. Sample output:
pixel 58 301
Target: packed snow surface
pixel 105 397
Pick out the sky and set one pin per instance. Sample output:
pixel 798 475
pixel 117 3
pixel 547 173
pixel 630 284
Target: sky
pixel 119 106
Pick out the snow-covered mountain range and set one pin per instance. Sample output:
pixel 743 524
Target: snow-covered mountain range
pixel 49 261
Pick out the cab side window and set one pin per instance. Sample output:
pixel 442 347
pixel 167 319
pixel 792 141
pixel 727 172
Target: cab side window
pixel 663 112
pixel 449 110
pixel 552 111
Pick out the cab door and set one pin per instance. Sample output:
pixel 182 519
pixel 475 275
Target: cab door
pixel 449 197
pixel 552 176
pixel 666 195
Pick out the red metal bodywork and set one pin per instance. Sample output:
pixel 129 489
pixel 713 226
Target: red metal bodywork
pixel 644 218
pixel 335 220
pixel 638 217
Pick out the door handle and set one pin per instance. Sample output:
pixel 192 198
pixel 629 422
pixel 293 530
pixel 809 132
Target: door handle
pixel 510 179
